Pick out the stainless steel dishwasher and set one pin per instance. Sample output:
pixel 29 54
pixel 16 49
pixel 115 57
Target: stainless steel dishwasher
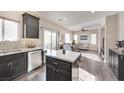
pixel 34 59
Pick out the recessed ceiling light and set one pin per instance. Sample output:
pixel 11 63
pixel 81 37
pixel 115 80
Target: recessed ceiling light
pixel 62 19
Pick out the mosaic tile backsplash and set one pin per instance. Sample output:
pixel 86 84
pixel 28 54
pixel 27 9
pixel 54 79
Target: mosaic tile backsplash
pixel 6 46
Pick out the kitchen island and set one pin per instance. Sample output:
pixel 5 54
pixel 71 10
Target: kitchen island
pixel 62 67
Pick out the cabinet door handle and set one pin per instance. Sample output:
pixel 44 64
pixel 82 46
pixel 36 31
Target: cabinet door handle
pixel 54 69
pixel 25 30
pixel 121 57
pixel 57 70
pixel 10 64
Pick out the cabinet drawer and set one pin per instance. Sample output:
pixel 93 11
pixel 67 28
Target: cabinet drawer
pixel 64 65
pixel 63 75
pixel 59 63
pixel 49 60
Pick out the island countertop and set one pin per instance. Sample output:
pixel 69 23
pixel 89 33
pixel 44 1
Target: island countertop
pixel 69 56
pixel 117 51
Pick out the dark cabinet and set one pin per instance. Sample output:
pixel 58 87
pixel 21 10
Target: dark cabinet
pixel 121 68
pixel 30 26
pixel 12 66
pixel 18 64
pixel 57 70
pixel 51 73
pixel 116 63
pixel 4 69
pixel 113 62
pixel 63 75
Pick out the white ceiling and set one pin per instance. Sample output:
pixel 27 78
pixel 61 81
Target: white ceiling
pixel 75 20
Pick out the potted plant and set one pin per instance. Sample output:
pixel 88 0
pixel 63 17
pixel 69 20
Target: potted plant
pixel 73 42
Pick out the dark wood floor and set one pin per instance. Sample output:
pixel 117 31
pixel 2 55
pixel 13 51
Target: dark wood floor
pixel 91 68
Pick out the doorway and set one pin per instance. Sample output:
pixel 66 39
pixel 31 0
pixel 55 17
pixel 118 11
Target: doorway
pixel 50 40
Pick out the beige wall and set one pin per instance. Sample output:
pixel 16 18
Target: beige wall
pixel 45 24
pixel 121 26
pixel 88 33
pixel 102 35
pixel 111 33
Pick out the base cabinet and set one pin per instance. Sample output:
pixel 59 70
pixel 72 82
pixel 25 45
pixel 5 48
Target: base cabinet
pixel 116 63
pixel 12 66
pixel 121 68
pixel 51 73
pixel 18 65
pixel 62 74
pixel 4 70
pixel 56 71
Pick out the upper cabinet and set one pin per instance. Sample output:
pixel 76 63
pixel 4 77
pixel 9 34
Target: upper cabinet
pixel 30 26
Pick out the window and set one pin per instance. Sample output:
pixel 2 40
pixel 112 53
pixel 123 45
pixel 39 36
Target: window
pixel 47 39
pixel 76 38
pixel 67 38
pixel 93 38
pixel 8 30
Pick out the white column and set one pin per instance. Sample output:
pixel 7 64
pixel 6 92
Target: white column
pixel 99 31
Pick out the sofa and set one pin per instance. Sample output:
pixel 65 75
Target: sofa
pixel 83 46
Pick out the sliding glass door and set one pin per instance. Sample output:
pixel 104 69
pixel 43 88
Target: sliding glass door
pixel 47 39
pixel 54 40
pixel 50 40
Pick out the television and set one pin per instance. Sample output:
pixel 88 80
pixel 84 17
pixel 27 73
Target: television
pixel 83 37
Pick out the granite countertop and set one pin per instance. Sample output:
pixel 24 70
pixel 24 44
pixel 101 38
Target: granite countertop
pixel 69 56
pixel 31 49
pixel 19 51
pixel 117 51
